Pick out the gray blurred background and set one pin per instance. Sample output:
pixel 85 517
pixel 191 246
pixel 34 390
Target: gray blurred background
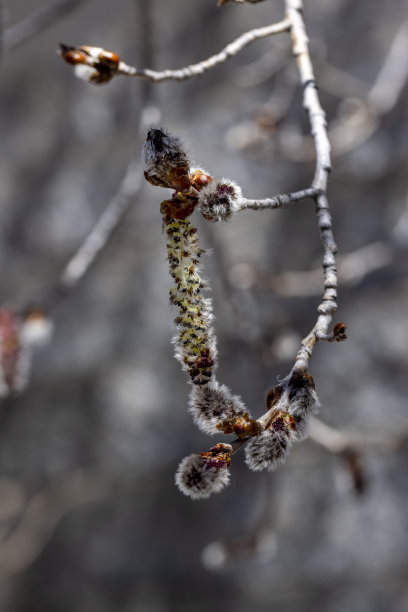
pixel 90 520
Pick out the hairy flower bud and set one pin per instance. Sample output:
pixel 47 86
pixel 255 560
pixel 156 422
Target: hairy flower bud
pixel 214 408
pixel 271 447
pixel 219 200
pixel 167 164
pixel 199 476
pixel 303 401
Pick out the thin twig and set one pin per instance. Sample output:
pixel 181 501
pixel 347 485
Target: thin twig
pixel 318 126
pixel 36 22
pixel 282 200
pixel 43 513
pixel 196 69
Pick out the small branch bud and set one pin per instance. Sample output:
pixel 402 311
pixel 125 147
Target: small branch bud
pixel 92 64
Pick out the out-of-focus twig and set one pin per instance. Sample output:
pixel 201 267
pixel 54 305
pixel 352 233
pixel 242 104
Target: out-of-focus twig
pixel 386 90
pixel 100 233
pixel 352 269
pixel 37 21
pixel 361 112
pixel 42 514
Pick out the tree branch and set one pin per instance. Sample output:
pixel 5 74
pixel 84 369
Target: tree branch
pixel 182 73
pixel 318 127
pixel 42 514
pixel 283 200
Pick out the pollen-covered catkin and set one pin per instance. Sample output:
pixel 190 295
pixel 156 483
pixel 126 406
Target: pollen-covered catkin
pixel 271 447
pixel 200 476
pixel 195 344
pixel 219 200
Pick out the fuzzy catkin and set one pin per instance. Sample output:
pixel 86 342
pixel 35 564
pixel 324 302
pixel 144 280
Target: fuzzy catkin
pixel 195 339
pixel 271 447
pixel 199 477
pixel 212 404
pixel 303 403
pixel 219 200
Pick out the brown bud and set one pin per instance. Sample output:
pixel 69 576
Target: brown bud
pixel 242 426
pixel 339 334
pixel 109 59
pixel 178 208
pixel 273 396
pixel 200 179
pixel 72 55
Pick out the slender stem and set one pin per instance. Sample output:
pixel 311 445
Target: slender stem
pixel 283 200
pixel 197 69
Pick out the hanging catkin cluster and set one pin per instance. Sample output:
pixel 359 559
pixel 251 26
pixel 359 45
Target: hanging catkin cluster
pixel 212 405
pixel 292 404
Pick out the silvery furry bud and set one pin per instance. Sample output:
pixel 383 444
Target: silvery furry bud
pixel 167 164
pixel 199 476
pixel 303 401
pixel 214 408
pixel 219 200
pixel 271 447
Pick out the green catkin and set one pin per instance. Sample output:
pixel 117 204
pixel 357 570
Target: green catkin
pixel 195 341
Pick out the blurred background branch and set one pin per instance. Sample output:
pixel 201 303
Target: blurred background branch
pixel 37 21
